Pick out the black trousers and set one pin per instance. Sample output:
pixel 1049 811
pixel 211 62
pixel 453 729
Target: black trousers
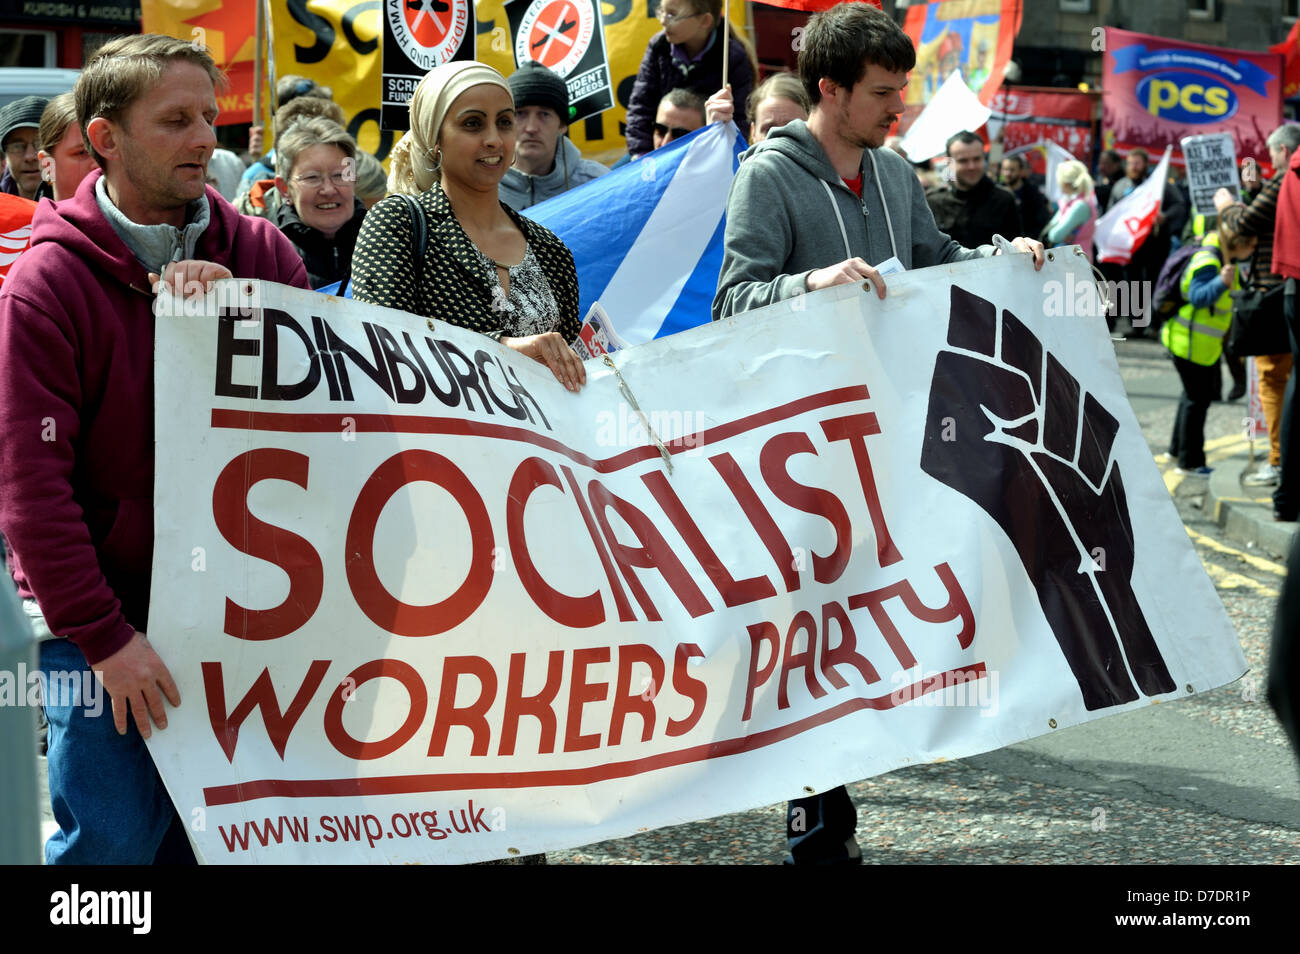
pixel 1201 386
pixel 821 827
pixel 1286 499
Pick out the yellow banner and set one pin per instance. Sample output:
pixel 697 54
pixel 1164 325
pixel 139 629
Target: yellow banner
pixel 337 44
pixel 227 28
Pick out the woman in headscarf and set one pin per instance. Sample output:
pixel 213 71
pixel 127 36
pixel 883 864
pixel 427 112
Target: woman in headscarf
pixel 484 267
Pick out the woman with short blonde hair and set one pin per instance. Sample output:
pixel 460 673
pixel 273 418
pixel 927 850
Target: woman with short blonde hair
pixel 1076 218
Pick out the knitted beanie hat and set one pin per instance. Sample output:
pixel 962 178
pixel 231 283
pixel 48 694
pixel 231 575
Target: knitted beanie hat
pixel 534 85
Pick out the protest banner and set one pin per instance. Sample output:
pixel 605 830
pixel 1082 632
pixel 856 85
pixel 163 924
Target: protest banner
pixel 565 36
pixel 226 29
pixel 1159 91
pixel 424 604
pixel 1026 115
pixel 336 43
pixel 974 37
pixel 417 37
pixel 1211 165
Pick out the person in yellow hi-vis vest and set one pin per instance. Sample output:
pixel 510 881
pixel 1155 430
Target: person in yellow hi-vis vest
pixel 1194 336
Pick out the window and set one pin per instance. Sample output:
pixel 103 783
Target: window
pixel 34 49
pixel 1290 11
pixel 1203 9
pixel 1076 6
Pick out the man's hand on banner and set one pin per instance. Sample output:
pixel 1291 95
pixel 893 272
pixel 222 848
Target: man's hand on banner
pixel 133 677
pixel 552 350
pixel 848 271
pixel 1032 246
pixel 189 278
pixel 720 107
pixel 1010 428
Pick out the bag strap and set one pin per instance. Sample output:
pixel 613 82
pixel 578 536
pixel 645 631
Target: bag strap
pixel 419 227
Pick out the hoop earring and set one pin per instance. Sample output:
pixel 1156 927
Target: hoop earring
pixel 437 161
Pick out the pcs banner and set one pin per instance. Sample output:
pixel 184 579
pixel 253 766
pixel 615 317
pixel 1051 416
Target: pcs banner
pixel 424 605
pixel 1160 91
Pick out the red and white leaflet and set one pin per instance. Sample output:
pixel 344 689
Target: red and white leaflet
pixel 597 335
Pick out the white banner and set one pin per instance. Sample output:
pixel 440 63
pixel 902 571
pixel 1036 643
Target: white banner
pixel 1211 166
pixel 423 604
pixel 1125 227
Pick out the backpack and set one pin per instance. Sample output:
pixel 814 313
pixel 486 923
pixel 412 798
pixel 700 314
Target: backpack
pixel 1168 296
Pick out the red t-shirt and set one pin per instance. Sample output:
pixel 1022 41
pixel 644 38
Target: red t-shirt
pixel 855 185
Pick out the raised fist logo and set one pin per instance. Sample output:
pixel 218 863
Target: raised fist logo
pixel 1008 427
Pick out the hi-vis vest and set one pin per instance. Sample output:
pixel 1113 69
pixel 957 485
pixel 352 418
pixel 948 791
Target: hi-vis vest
pixel 1196 334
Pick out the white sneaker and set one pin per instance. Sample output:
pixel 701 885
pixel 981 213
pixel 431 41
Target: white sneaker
pixel 1265 476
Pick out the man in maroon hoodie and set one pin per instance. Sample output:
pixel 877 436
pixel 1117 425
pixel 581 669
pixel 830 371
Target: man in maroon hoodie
pixel 76 425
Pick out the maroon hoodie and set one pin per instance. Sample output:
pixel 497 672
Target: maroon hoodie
pixel 76 410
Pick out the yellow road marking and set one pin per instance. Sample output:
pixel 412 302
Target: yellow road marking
pixel 1258 562
pixel 1227 580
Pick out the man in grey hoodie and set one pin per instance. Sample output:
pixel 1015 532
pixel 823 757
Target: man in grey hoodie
pixel 546 162
pixel 810 207
pixel 817 202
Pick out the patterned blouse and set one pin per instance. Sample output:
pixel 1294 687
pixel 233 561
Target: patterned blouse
pixel 457 283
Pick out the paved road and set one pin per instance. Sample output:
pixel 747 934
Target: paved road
pixel 1204 780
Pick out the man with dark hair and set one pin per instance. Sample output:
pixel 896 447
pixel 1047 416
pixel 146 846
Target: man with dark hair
pixel 680 112
pixel 967 204
pixel 1110 169
pixel 76 426
pixel 814 205
pixel 1030 201
pixel 546 162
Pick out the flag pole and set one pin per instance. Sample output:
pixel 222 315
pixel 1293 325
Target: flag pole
pixel 726 38
pixel 258 64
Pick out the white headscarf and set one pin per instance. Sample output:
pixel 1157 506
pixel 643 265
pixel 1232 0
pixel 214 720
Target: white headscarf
pixel 412 167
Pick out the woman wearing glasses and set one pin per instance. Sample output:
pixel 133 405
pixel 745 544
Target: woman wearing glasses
pixel 320 213
pixel 687 54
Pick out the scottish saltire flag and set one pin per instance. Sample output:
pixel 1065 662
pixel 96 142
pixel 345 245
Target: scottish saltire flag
pixel 647 238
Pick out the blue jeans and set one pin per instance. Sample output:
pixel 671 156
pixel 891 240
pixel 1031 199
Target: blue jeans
pixel 110 804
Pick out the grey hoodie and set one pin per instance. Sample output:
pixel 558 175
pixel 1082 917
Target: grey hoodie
pixel 519 190
pixel 782 224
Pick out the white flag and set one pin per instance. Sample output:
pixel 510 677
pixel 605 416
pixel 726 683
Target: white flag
pixel 1121 230
pixel 953 108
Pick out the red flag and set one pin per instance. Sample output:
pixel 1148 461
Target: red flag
pixel 1290 48
pixel 810 6
pixel 15 229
